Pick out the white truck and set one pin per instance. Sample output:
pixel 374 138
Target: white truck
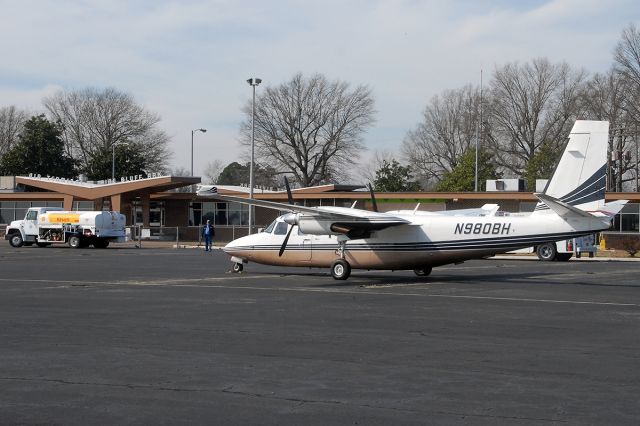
pixel 53 225
pixel 564 250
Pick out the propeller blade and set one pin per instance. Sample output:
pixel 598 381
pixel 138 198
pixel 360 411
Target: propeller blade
pixel 284 243
pixel 373 199
pixel 289 196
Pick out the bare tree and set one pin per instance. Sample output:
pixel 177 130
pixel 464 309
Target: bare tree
pixel 212 171
pixel 12 122
pixel 627 68
pixel 448 128
pixel 311 128
pixel 627 54
pixel 529 105
pixel 605 98
pixel 95 120
pixel 368 170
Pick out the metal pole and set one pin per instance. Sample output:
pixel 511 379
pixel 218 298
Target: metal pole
pixel 192 152
pixel 253 130
pixel 635 137
pixel 478 136
pixel 113 162
pixel 620 159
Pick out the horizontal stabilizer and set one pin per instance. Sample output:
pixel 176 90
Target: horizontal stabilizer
pixel 561 208
pixel 613 208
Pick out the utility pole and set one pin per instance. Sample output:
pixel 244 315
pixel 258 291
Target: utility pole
pixel 635 138
pixel 620 159
pixel 478 135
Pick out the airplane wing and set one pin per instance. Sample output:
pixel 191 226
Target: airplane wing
pixel 322 219
pixel 485 210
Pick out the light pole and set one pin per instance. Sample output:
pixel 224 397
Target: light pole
pixel 113 159
pixel 253 82
pixel 192 132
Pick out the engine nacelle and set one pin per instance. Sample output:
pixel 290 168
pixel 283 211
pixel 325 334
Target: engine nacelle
pixel 315 226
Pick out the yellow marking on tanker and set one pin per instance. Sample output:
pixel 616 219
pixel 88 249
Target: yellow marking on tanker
pixel 60 218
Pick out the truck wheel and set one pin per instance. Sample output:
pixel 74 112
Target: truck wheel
pixel 547 251
pixel 75 241
pixel 16 240
pixel 340 270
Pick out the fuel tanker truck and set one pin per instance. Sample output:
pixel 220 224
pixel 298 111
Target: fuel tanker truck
pixel 52 225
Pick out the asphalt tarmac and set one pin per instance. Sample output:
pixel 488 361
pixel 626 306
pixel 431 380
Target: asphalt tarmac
pixel 168 336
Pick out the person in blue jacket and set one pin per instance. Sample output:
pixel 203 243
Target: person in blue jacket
pixel 208 233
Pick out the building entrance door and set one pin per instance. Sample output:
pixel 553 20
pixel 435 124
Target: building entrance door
pixel 156 214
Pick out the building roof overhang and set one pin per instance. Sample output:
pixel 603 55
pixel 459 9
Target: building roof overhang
pixel 93 191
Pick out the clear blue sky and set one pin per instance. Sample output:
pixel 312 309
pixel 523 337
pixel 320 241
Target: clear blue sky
pixel 188 60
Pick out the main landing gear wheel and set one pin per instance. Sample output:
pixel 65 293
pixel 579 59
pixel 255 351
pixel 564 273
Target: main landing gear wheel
pixel 238 267
pixel 547 251
pixel 341 269
pixel 422 272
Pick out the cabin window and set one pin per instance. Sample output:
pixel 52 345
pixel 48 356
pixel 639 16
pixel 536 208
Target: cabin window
pixel 281 228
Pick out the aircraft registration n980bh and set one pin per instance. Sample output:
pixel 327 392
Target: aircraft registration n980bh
pixel 343 238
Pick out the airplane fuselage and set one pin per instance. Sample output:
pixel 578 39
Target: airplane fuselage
pixel 425 242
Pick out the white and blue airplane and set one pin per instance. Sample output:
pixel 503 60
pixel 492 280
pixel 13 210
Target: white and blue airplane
pixel 344 238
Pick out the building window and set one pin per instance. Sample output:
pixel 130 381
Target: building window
pixel 220 213
pixel 195 214
pixel 628 220
pixel 85 206
pixel 16 210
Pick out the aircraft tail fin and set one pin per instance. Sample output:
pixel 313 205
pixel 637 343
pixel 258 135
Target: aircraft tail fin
pixel 579 180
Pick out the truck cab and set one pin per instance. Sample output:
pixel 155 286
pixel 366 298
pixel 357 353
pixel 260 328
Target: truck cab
pixel 25 231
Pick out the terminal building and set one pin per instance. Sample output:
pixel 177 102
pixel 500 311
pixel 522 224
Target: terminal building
pixel 167 207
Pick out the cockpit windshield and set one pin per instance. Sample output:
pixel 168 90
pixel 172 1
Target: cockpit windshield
pixel 270 227
pixel 281 228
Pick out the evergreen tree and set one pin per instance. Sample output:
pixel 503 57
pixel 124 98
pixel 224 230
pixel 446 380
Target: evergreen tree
pixel 462 177
pixel 394 177
pixel 542 164
pixel 39 150
pixel 129 161
pixel 238 174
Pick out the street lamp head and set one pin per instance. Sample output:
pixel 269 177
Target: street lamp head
pixel 199 130
pixel 254 81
